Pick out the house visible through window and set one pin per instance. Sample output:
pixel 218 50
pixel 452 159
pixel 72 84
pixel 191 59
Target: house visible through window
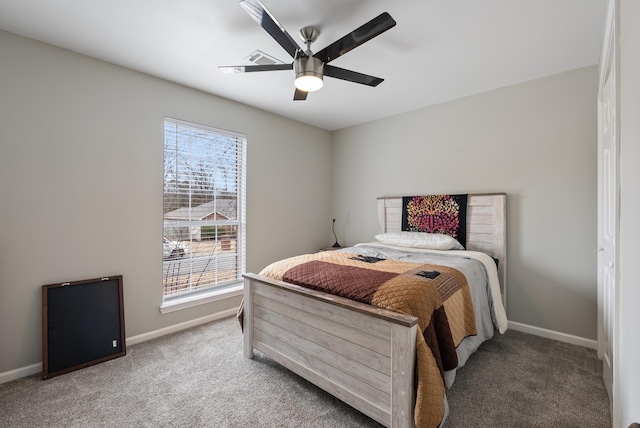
pixel 203 246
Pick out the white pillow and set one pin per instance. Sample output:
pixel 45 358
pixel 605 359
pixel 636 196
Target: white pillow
pixel 432 241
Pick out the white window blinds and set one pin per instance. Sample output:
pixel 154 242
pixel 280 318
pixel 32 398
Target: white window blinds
pixel 204 208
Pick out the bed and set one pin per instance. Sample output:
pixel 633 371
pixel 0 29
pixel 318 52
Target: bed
pixel 362 354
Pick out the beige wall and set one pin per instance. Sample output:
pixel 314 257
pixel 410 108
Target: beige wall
pixel 81 185
pixel 536 141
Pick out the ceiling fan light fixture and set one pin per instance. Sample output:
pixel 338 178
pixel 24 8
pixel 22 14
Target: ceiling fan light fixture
pixel 308 82
pixel 308 74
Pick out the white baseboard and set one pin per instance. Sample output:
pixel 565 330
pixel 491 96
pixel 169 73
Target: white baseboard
pixel 555 335
pixel 537 331
pixel 37 368
pixel 182 326
pixel 20 373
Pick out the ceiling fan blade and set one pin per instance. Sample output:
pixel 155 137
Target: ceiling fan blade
pixel 368 31
pixel 262 16
pixel 299 95
pixel 251 68
pixel 351 76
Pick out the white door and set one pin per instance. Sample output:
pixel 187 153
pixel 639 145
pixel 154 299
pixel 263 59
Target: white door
pixel 607 240
pixel 607 209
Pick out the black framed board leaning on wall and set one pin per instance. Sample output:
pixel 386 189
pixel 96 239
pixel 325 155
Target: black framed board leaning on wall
pixel 82 324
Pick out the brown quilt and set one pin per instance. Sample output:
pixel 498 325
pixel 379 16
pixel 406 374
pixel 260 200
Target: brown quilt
pixel 438 295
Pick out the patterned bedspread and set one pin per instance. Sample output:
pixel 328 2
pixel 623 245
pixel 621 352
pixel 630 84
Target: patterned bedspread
pixel 437 295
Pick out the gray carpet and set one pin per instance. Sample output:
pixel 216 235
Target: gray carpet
pixel 199 378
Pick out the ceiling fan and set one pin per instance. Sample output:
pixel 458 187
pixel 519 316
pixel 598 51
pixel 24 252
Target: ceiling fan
pixel 310 68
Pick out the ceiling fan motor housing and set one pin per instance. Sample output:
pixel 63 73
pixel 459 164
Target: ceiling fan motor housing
pixel 308 67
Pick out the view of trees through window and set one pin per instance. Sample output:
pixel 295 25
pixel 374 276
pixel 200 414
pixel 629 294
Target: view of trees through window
pixel 203 208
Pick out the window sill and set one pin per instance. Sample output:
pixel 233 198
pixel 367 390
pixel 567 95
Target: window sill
pixel 196 299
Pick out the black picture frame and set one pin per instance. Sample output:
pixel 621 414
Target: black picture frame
pixel 82 324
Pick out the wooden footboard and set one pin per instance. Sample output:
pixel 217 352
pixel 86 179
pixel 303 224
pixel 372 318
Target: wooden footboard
pixel 360 354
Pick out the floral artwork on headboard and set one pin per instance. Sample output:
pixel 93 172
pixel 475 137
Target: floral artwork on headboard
pixel 436 214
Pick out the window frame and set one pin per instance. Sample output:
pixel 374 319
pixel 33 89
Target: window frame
pixel 208 293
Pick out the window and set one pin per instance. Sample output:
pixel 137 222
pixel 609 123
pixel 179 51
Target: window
pixel 203 246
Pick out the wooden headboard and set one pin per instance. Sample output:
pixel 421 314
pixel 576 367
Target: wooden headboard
pixel 486 227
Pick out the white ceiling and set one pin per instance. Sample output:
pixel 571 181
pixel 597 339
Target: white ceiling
pixel 439 50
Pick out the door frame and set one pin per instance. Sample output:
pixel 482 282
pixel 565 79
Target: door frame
pixel 609 65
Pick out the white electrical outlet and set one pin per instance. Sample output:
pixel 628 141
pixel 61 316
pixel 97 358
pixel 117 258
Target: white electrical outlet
pixel 115 343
